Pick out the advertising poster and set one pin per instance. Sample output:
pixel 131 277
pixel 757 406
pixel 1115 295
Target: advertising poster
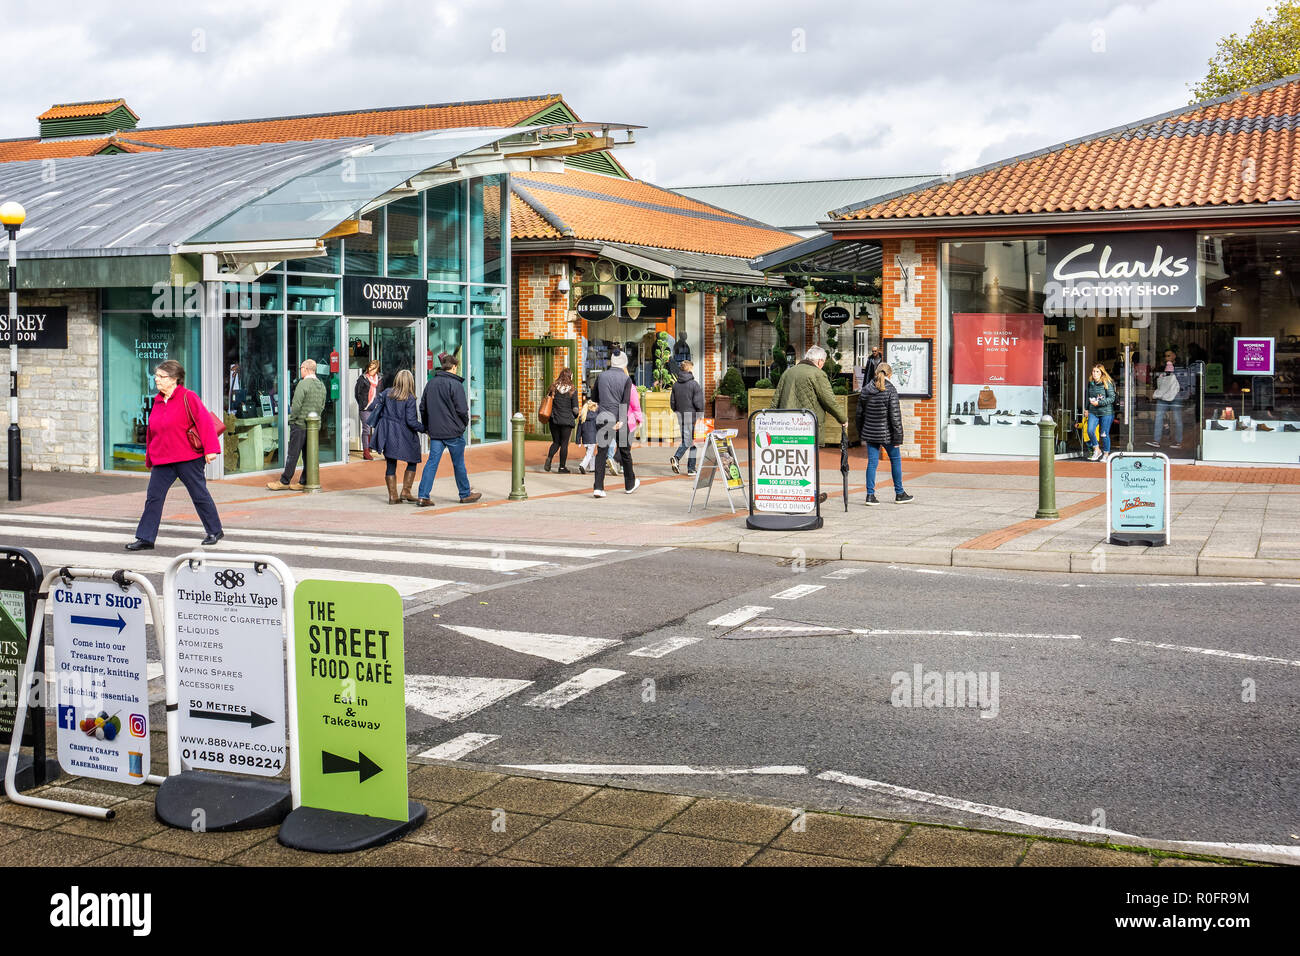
pixel 13 655
pixel 997 383
pixel 727 459
pixel 1138 504
pixel 785 450
pixel 1252 356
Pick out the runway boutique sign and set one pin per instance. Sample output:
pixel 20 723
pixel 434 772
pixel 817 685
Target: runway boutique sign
pixel 1121 272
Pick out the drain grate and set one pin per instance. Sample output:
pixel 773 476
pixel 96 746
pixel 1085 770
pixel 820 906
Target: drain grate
pixel 770 627
pixel 803 562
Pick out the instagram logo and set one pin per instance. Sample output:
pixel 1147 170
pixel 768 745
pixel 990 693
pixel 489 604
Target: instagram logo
pixel 137 725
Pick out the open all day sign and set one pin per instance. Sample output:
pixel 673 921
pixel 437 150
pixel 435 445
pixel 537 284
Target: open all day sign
pixel 785 462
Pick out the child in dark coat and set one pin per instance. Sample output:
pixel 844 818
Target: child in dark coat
pixel 587 435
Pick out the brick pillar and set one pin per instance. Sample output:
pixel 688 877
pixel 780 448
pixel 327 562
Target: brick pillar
pixel 710 366
pixel 918 318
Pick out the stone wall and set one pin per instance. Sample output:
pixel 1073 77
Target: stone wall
pixel 58 389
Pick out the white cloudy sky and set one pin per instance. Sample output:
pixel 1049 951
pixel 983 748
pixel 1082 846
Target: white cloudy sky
pixel 729 91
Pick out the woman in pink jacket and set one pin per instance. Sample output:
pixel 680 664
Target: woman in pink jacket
pixel 169 455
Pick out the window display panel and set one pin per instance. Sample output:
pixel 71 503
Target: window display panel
pixel 312 294
pixel 445 224
pixel 328 263
pixel 312 338
pixel 404 238
pixel 251 406
pixel 485 262
pixel 134 344
pixel 362 251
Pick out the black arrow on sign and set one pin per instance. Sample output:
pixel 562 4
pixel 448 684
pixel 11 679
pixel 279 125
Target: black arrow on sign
pixel 253 720
pixel 1137 526
pixel 363 765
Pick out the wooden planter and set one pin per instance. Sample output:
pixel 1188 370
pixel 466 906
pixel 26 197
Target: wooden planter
pixel 724 409
pixel 660 419
pixel 760 398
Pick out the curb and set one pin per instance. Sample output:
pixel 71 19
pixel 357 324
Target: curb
pixel 1077 562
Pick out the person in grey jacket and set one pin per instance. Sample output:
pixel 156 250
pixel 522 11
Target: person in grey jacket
pixel 880 423
pixel 687 400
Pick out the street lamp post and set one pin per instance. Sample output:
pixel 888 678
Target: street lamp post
pixel 12 216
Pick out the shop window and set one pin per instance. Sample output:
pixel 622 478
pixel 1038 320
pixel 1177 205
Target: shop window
pixel 316 338
pixel 328 263
pixel 312 294
pixel 445 232
pixel 403 235
pixel 485 248
pixel 252 406
pixel 134 344
pixel 362 252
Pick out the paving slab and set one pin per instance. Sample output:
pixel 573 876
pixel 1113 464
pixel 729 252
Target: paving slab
pixel 670 849
pixel 546 798
pixel 1050 853
pixel 629 808
pixel 476 829
pixel 567 843
pixel 785 858
pixel 448 784
pixel 937 846
pixel 134 821
pixel 207 846
pixel 52 848
pixel 729 820
pixel 831 835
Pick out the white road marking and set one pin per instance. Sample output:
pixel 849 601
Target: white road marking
pixel 325 538
pixel 1056 637
pixel 738 616
pixel 1279 585
pixel 786 629
pixel 666 646
pixel 632 770
pixel 574 687
pixel 1209 651
pixel 453 698
pixel 899 567
pixel 1290 854
pixel 843 573
pixel 147 563
pixel 433 558
pixel 561 648
pixel 1204 584
pixel 798 591
pixel 458 747
pixel 966 806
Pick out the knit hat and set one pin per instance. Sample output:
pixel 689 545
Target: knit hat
pixel 618 360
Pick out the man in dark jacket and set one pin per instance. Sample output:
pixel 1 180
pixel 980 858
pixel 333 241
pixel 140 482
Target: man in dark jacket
pixel 444 414
pixel 613 395
pixel 687 400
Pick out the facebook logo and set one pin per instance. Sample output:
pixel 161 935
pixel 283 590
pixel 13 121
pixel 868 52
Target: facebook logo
pixel 67 717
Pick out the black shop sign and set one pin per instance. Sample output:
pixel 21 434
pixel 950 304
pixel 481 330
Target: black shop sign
pixel 1121 271
pixel 593 308
pixel 38 328
pixel 371 297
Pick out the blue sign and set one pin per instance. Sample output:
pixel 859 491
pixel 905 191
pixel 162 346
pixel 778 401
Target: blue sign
pixel 1138 495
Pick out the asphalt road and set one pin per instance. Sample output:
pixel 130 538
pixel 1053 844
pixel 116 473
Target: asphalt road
pixel 1156 707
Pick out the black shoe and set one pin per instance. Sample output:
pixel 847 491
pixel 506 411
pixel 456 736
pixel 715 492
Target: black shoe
pixel 581 470
pixel 214 538
pixel 547 466
pixel 1031 422
pixel 1216 427
pixel 956 421
pixel 977 420
pixel 140 545
pixel 1000 422
pixel 561 470
pixel 1290 428
pixel 902 499
pixel 872 500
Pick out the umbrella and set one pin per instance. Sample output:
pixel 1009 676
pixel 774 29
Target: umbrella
pixel 844 465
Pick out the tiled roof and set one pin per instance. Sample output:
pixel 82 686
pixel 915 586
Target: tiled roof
pixel 584 205
pixel 73 110
pixel 379 122
pixel 1229 151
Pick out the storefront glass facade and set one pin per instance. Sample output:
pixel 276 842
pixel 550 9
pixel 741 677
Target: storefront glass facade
pixel 1233 360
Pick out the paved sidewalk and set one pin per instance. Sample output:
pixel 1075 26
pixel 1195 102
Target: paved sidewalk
pixel 1233 522
pixel 482 818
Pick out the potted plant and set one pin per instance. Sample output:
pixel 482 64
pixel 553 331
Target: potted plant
pixel 761 395
pixel 730 401
pixel 845 398
pixel 660 421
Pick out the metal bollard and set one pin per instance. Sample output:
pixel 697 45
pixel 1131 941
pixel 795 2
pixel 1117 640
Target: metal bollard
pixel 517 492
pixel 311 455
pixel 1047 469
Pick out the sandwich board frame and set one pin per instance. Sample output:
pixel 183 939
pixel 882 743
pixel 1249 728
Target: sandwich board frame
pixel 711 463
pixel 786 520
pixel 1119 465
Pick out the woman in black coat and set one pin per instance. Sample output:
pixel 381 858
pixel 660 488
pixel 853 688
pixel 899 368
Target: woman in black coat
pixel 564 414
pixel 880 423
pixel 396 433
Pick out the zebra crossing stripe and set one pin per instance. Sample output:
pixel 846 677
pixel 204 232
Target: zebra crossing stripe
pixel 454 698
pixel 654 770
pixel 798 591
pixel 574 687
pixel 666 646
pixel 561 648
pixel 458 747
pixel 738 616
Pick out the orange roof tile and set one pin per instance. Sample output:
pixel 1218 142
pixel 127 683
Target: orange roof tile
pixel 1229 151
pixel 96 108
pixel 592 206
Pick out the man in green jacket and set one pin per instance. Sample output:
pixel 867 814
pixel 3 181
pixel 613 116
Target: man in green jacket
pixel 806 386
pixel 308 397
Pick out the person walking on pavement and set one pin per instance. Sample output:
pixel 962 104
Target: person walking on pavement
pixel 308 397
pixel 806 386
pixel 1168 394
pixel 587 435
pixel 687 400
pixel 444 416
pixel 614 391
pixel 366 389
pixel 873 363
pixel 564 414
pixel 1101 411
pixel 396 423
pixel 880 423
pixel 170 454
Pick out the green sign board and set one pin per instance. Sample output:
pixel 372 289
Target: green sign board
pixel 13 655
pixel 1214 378
pixel 351 671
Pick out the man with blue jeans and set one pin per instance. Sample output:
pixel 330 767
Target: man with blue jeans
pixel 1168 396
pixel 444 414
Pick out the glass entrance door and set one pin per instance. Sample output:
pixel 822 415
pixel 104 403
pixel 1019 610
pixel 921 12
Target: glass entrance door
pixel 393 346
pixel 316 339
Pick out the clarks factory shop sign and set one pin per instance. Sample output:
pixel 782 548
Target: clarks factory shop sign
pixel 36 328
pixel 1121 271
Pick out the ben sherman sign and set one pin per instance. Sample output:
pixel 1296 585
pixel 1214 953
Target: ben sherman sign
pixel 1124 272
pixel 374 297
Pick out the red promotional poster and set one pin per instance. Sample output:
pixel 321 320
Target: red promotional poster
pixel 997 349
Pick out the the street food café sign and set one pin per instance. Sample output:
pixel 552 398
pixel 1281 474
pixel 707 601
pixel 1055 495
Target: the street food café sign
pixel 372 297
pixel 1121 273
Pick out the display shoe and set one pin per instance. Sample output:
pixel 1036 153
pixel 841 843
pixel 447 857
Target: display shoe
pixel 390 481
pixel 956 421
pixel 1003 423
pixel 978 420
pixel 1028 411
pixel 1262 428
pixel 1216 427
pixel 139 545
pixel 1290 428
pixel 1028 422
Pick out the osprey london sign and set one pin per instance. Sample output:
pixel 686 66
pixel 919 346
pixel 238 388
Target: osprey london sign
pixel 39 328
pixel 351 700
pixel 1137 499
pixel 1123 271
pixel 230 655
pixel 785 462
pixel 370 297
pixel 101 684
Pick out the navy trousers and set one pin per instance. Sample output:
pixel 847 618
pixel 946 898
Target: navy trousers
pixel 161 479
